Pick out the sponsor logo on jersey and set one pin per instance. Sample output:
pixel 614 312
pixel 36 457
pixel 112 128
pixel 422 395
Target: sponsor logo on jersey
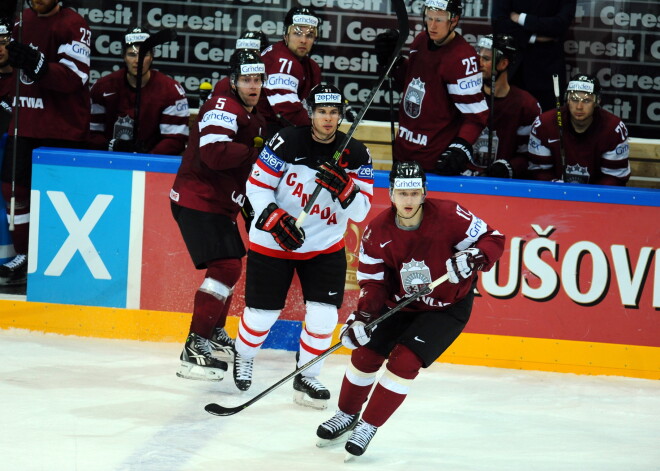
pixel 470 85
pixel 477 227
pixel 415 276
pixel 365 171
pixel 270 160
pixel 284 81
pixel 412 101
pixel 220 117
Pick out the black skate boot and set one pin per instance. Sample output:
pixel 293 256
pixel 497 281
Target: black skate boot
pixel 222 345
pixel 242 371
pixel 336 429
pixel 197 361
pixel 310 392
pixel 14 272
pixel 359 440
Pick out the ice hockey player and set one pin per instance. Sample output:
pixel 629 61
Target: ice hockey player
pixel 255 41
pixel 443 109
pixel 7 84
pixel 290 167
pixel 512 114
pixel 403 249
pixel 595 141
pixel 207 195
pixel 292 73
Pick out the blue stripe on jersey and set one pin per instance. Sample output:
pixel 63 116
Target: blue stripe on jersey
pixel 270 160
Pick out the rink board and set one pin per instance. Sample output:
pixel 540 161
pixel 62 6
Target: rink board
pixel 579 269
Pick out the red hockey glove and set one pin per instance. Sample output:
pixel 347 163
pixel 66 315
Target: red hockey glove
pixel 282 226
pixel 31 60
pixel 335 179
pixel 461 265
pixel 353 334
pixel 454 160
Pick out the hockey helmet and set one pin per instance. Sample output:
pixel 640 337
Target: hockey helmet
pixel 407 176
pixel 246 62
pixel 134 36
pixel 584 83
pixel 503 44
pixel 302 16
pixel 253 40
pixel 325 94
pixel 5 27
pixel 454 7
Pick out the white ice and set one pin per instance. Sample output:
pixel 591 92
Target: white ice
pixel 72 403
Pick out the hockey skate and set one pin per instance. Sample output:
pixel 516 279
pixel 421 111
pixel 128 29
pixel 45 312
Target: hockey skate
pixel 222 345
pixel 336 429
pixel 14 272
pixel 310 392
pixel 197 361
pixel 242 371
pixel 359 440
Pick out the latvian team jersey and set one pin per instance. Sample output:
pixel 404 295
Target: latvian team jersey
pixel 289 82
pixel 284 174
pixel 442 100
pixel 395 263
pixel 598 156
pixel 164 112
pixel 219 157
pixel 57 106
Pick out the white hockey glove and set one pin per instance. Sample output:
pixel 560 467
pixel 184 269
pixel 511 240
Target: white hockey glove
pixel 461 265
pixel 353 334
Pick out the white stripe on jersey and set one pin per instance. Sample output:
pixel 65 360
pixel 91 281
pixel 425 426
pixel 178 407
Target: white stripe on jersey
pixel 97 127
pixel 98 109
pixel 536 148
pixel 179 108
pixel 76 51
pixel 277 99
pixel 361 276
pixel 620 152
pixel 174 129
pixel 468 108
pixel 616 172
pixel 524 130
pixel 76 70
pixel 223 119
pixel 368 260
pixel 282 82
pixel 466 86
pixel 211 138
pixel 533 166
pixel 476 229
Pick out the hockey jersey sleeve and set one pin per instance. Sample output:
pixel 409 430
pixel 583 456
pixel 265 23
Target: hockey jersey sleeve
pixel 373 276
pixel 96 135
pixel 475 232
pixel 614 162
pixel 173 123
pixel 528 114
pixel 541 161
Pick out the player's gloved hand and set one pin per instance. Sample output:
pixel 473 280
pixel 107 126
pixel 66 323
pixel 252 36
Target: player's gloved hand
pixel 354 334
pixel 5 105
pixel 454 160
pixel 500 169
pixel 282 226
pixel 31 60
pixel 247 211
pixel 126 145
pixel 335 179
pixel 385 43
pixel 461 265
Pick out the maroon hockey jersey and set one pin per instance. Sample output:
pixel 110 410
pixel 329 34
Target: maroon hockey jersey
pixel 442 100
pixel 222 87
pixel 395 263
pixel 164 113
pixel 289 82
pixel 598 156
pixel 218 158
pixel 57 106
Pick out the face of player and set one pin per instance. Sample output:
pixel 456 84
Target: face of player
pixel 486 62
pixel 581 106
pixel 325 121
pixel 438 24
pixel 248 88
pixel 407 203
pixel 44 7
pixel 4 55
pixel 131 61
pixel 300 40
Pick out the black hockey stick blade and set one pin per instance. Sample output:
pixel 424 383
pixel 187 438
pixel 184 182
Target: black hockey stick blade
pixel 404 30
pixel 217 409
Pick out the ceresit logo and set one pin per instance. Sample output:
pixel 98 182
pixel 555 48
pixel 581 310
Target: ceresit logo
pixel 306 20
pixel 334 98
pixel 250 69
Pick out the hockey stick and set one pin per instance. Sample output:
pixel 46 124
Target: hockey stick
pixel 404 30
pixel 392 135
pixel 17 105
pixel 491 115
pixel 555 82
pixel 217 409
pixel 161 37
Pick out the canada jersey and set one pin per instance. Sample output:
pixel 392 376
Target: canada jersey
pixel 599 155
pixel 164 112
pixel 218 158
pixel 442 100
pixel 395 263
pixel 56 106
pixel 285 175
pixel 288 84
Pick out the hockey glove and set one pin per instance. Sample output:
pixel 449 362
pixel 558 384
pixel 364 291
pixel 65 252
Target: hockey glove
pixel 335 179
pixel 385 43
pixel 454 160
pixel 31 60
pixel 500 169
pixel 461 265
pixel 5 105
pixel 282 226
pixel 248 214
pixel 353 334
pixel 126 145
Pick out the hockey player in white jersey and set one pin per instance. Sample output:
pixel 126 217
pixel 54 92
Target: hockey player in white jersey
pixel 289 168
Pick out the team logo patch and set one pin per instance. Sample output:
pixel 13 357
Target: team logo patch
pixel 576 174
pixel 412 101
pixel 415 276
pixel 123 129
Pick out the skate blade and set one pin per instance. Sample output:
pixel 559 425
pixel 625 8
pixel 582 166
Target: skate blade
pixel 196 372
pixel 224 354
pixel 302 399
pixel 349 457
pixel 328 442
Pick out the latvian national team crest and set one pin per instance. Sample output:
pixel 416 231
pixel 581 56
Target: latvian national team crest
pixel 415 276
pixel 123 129
pixel 412 101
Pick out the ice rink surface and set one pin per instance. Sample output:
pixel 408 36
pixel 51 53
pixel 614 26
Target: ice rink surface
pixel 72 403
